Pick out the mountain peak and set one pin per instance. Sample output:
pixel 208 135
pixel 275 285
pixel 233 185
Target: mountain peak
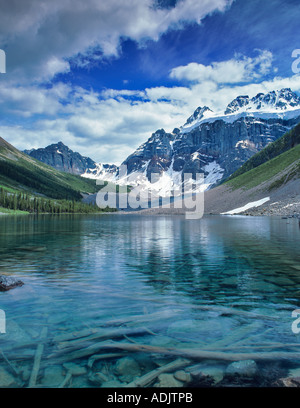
pixel 62 158
pixel 280 100
pixel 198 115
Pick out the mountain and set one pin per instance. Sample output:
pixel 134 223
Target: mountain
pixel 214 143
pixel 270 180
pixel 273 101
pixel 22 173
pixel 217 144
pixel 285 143
pixel 62 158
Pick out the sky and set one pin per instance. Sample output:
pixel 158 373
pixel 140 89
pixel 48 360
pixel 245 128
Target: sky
pixel 103 75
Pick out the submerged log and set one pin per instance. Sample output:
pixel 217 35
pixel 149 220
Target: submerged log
pixel 108 356
pixel 184 353
pixel 222 310
pixel 37 359
pixel 148 378
pixel 101 334
pixel 12 367
pixel 7 283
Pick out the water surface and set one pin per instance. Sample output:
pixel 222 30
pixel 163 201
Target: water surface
pixel 220 284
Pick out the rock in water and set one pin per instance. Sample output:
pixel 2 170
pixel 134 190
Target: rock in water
pixel 244 367
pixel 127 369
pixel 168 381
pixel 7 283
pixel 183 376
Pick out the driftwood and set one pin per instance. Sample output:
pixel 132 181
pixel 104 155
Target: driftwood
pixel 74 335
pixel 236 336
pixel 71 345
pixel 108 356
pixel 184 353
pixel 72 370
pixel 37 359
pixel 148 378
pixel 219 309
pixel 66 380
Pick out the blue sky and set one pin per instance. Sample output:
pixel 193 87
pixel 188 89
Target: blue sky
pixel 102 75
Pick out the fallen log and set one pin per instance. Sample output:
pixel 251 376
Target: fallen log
pixel 12 367
pixel 223 310
pixel 104 334
pixel 108 356
pixel 184 353
pixel 37 359
pixel 74 335
pixel 148 378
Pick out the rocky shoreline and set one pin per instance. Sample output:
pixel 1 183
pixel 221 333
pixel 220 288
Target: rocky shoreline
pixel 286 208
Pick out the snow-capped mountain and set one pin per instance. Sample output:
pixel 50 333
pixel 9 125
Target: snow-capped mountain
pixel 198 115
pixel 279 101
pixel 213 143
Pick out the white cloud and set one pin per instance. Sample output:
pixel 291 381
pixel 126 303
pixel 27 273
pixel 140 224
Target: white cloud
pixel 236 70
pixel 108 130
pixel 40 35
pixel 26 101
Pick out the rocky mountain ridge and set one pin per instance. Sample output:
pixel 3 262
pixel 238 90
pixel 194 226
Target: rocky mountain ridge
pixel 62 158
pixel 214 143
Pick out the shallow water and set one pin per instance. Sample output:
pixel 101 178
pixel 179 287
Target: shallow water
pixel 220 284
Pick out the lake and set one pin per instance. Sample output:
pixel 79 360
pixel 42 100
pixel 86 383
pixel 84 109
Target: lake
pixel 199 294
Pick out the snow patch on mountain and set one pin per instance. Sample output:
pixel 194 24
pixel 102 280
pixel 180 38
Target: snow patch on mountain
pixel 253 204
pixel 101 171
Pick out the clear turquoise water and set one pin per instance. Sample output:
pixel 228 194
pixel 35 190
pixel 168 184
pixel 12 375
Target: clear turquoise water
pixel 169 277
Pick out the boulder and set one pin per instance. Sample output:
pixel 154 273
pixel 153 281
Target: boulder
pixel 244 367
pixel 183 376
pixel 127 369
pixel 168 381
pixel 7 283
pixel 200 371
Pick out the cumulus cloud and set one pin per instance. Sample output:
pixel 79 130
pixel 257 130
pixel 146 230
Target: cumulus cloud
pixel 40 36
pixel 105 129
pixel 43 38
pixel 235 70
pixel 109 129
